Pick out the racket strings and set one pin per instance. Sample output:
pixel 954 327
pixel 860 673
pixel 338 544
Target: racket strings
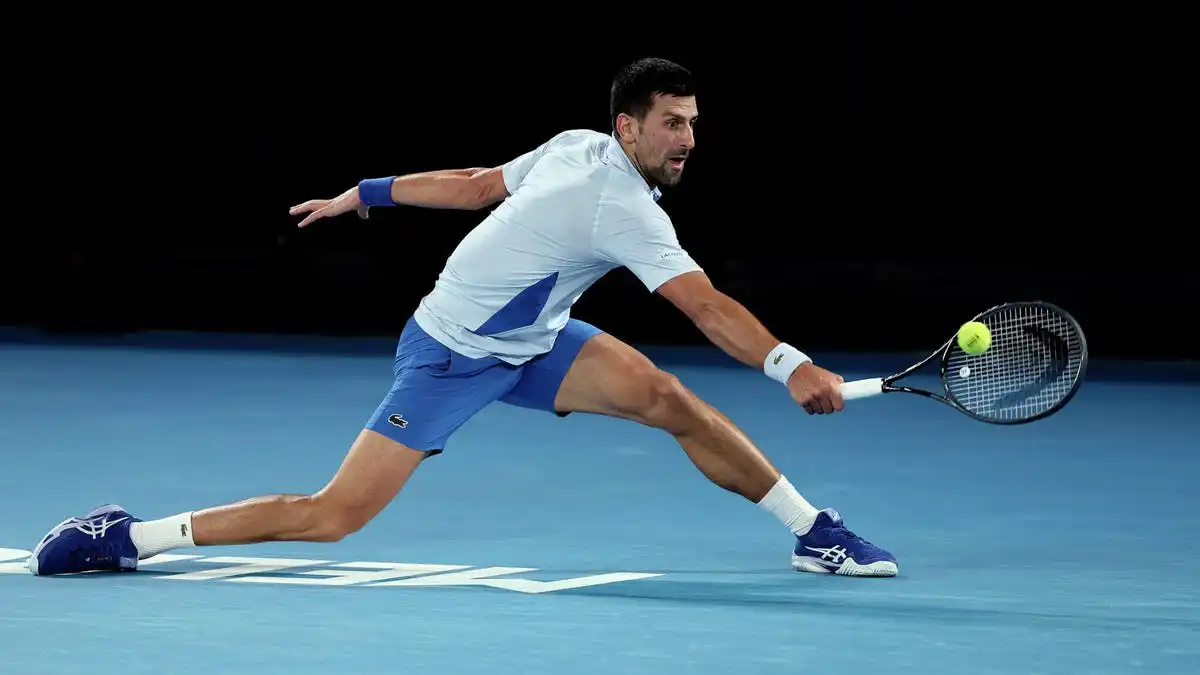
pixel 1035 357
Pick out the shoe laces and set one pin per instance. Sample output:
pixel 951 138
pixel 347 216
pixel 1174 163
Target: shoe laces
pixel 843 531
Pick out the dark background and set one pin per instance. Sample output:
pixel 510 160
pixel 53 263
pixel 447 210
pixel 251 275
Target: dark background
pixel 867 175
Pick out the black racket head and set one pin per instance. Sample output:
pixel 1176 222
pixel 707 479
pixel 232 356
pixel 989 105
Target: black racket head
pixel 1034 366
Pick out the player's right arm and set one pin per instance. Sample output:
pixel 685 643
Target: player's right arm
pixel 643 240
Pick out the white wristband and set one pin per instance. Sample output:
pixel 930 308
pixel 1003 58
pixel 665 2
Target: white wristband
pixel 782 360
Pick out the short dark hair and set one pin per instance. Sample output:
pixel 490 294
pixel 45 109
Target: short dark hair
pixel 634 88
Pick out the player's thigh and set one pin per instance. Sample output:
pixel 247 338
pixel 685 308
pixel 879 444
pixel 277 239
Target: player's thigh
pixel 434 392
pixel 610 377
pixel 542 377
pixel 373 472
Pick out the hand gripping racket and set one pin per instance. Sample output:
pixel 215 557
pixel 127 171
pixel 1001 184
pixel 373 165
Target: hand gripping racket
pixel 1032 369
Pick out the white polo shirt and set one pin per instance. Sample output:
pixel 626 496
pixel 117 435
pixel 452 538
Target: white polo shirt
pixel 577 208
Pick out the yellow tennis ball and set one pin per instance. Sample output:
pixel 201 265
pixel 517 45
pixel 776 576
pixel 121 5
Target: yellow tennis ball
pixel 974 337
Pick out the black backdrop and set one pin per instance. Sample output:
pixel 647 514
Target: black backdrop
pixel 866 175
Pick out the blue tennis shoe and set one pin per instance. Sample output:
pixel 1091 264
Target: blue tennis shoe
pixel 98 542
pixel 830 548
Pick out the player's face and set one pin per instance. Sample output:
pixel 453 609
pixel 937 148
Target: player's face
pixel 667 137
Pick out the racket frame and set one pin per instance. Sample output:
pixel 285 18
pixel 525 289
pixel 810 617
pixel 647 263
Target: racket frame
pixel 887 385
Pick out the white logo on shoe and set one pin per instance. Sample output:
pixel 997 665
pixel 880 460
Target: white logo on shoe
pixel 834 555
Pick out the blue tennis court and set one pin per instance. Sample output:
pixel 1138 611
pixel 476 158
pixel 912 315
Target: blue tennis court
pixel 588 545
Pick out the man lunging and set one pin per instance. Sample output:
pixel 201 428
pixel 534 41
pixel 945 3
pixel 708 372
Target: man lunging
pixel 496 328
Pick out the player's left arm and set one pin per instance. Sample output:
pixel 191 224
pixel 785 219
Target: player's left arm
pixel 463 189
pixel 469 189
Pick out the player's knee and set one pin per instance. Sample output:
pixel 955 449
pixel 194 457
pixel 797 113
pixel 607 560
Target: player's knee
pixel 666 403
pixel 330 522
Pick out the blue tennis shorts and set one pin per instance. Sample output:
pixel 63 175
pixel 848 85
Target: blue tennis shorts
pixel 436 390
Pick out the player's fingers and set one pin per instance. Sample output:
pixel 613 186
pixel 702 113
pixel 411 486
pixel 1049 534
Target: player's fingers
pixel 310 205
pixel 833 395
pixel 315 215
pixel 826 404
pixel 835 399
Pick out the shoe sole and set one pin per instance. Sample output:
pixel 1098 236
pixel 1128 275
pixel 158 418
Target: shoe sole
pixel 879 568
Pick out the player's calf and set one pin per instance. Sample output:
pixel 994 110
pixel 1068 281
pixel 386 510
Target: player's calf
pixel 309 518
pixel 714 444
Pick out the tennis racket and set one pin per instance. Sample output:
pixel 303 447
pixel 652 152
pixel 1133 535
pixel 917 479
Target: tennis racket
pixel 1033 368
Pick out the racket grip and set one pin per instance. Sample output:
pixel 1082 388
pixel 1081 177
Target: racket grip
pixel 862 388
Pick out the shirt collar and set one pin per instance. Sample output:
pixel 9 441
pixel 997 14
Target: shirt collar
pixel 615 154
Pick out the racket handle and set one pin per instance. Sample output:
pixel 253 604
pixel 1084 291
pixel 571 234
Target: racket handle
pixel 862 388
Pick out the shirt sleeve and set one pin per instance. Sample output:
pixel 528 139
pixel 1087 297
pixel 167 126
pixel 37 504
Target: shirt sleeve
pixel 515 170
pixel 644 241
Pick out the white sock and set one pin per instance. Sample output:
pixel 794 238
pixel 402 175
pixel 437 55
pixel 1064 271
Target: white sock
pixel 789 507
pixel 156 536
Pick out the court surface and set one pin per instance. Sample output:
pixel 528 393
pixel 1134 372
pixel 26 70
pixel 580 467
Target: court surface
pixel 587 545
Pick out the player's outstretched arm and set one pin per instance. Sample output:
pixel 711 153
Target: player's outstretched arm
pixel 729 325
pixel 464 189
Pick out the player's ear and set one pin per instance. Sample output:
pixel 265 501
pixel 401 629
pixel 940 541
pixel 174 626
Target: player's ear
pixel 626 127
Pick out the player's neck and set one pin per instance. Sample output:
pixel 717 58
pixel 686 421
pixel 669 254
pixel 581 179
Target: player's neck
pixel 637 166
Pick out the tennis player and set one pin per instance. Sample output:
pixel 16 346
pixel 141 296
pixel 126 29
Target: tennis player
pixel 497 327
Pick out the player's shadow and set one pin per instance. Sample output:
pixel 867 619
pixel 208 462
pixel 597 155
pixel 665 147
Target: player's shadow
pixel 823 596
pixel 830 596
